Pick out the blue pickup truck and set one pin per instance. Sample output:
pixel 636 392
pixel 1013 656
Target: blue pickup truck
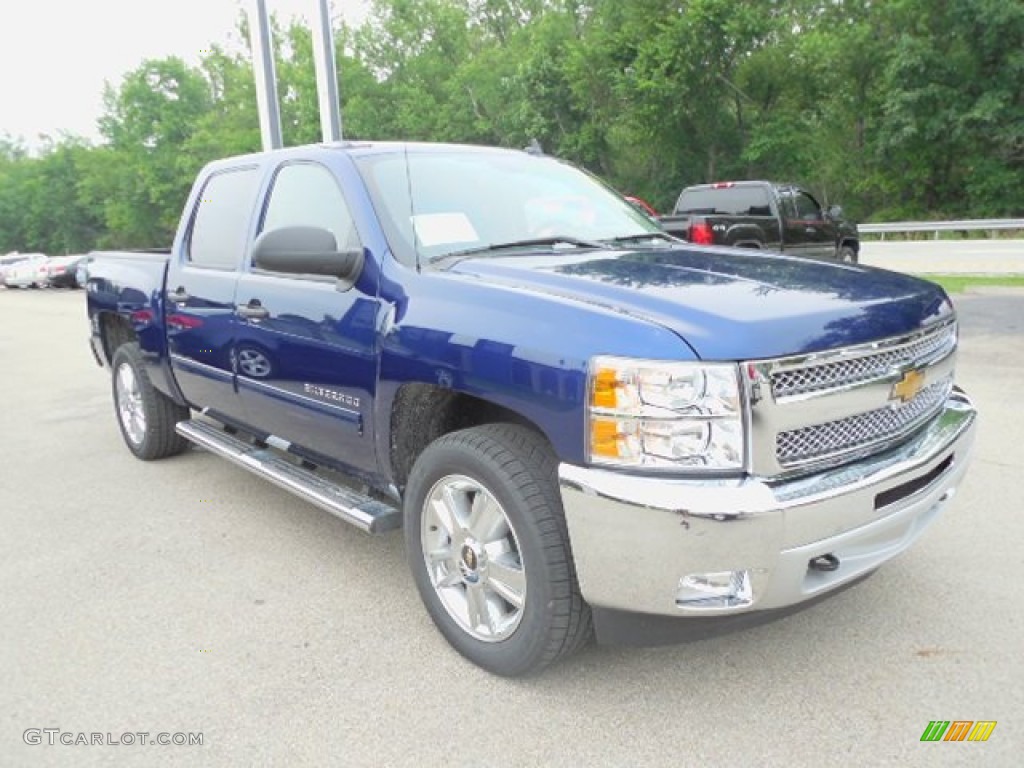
pixel 583 425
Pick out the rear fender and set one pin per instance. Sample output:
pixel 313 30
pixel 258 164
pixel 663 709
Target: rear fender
pixel 745 235
pixel 125 302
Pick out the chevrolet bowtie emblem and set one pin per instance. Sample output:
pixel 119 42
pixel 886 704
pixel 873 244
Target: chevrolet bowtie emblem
pixel 908 386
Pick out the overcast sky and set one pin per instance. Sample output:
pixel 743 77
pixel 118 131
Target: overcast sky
pixel 56 54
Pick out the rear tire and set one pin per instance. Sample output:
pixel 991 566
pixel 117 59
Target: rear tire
pixel 145 415
pixel 489 549
pixel 847 255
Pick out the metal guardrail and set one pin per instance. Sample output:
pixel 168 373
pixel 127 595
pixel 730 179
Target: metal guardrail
pixel 965 225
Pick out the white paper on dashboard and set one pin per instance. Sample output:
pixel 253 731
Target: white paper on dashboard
pixel 444 228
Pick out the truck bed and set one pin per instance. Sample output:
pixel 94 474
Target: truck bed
pixel 130 284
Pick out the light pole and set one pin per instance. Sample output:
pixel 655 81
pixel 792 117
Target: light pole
pixel 266 78
pixel 326 73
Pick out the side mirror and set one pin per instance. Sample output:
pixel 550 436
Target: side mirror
pixel 835 213
pixel 306 251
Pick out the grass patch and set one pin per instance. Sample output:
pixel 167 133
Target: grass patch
pixel 960 283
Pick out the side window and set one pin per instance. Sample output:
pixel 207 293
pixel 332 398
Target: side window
pixel 726 200
pixel 788 206
pixel 754 202
pixel 807 208
pixel 306 195
pixel 220 227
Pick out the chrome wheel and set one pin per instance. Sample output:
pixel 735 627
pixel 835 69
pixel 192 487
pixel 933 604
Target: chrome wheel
pixel 473 558
pixel 130 408
pixel 253 363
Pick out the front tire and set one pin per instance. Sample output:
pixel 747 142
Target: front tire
pixel 145 415
pixel 489 549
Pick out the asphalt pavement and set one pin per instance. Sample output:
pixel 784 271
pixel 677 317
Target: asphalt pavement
pixel 188 597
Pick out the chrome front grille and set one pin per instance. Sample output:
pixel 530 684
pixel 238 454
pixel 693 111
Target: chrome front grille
pixel 812 443
pixel 820 377
pixel 822 409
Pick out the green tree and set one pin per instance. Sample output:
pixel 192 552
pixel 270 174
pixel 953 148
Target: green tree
pixel 231 124
pixel 953 113
pixel 15 172
pixel 40 205
pixel 148 121
pixel 906 108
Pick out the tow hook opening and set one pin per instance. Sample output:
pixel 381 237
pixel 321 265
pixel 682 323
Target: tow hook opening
pixel 825 563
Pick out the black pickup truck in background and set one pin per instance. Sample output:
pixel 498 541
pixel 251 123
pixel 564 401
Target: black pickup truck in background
pixel 761 214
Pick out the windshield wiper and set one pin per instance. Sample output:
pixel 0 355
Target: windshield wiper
pixel 639 238
pixel 528 243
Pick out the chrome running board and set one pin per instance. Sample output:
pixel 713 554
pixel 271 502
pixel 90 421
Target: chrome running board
pixel 362 511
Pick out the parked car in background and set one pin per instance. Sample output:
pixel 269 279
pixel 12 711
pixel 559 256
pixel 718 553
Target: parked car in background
pixel 763 215
pixel 30 272
pixel 42 274
pixel 82 271
pixel 9 260
pixel 62 271
pixel 642 205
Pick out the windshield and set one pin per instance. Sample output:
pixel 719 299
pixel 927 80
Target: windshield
pixel 467 199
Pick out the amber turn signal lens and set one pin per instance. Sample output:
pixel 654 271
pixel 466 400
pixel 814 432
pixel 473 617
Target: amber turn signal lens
pixel 606 380
pixel 604 438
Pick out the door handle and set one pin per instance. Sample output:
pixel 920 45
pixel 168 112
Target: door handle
pixel 178 296
pixel 253 310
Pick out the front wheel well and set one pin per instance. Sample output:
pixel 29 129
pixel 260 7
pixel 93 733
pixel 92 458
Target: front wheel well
pixel 421 413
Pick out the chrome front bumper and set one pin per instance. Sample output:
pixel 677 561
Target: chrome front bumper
pixel 635 538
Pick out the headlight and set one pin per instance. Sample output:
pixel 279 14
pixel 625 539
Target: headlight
pixel 648 413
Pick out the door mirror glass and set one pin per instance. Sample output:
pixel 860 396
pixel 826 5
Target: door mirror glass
pixel 835 213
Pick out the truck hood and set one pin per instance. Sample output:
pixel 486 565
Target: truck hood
pixel 728 304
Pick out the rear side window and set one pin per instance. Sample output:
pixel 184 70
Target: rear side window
pixel 305 194
pixel 727 201
pixel 221 226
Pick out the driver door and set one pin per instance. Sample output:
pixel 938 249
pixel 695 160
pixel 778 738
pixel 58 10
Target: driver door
pixel 818 232
pixel 304 350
